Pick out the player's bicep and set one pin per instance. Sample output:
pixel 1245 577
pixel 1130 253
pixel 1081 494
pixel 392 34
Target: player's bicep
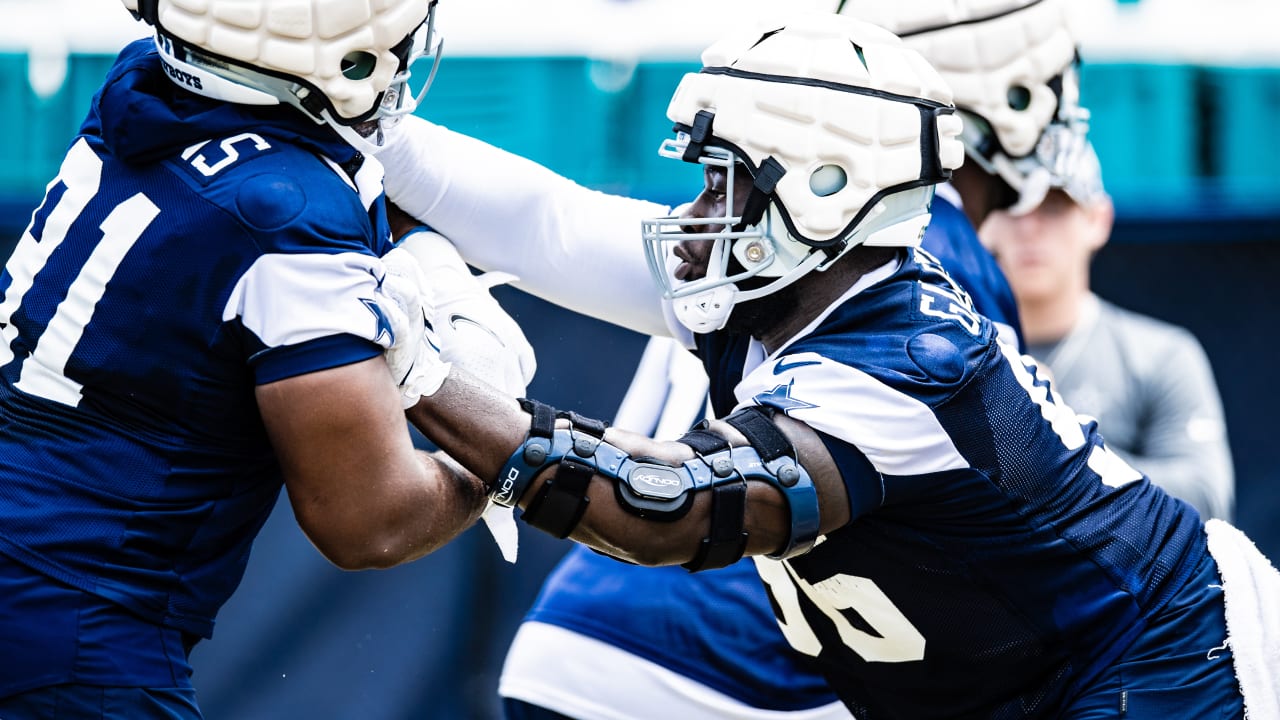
pixel 333 432
pixel 814 453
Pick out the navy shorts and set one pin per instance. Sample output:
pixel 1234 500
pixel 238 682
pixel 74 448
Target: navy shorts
pixel 88 702
pixel 1179 668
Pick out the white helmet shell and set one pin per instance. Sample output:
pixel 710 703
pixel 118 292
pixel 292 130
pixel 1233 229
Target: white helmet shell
pixel 842 115
pixel 998 56
pixel 844 130
pixel 334 59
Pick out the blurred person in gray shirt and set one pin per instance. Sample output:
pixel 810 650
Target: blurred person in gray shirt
pixel 1148 382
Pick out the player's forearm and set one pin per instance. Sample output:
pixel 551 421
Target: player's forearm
pixel 477 426
pixel 569 245
pixel 455 500
pixel 482 430
pixel 392 518
pixel 606 527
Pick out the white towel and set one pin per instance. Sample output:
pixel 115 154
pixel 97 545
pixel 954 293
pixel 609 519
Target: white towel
pixel 1251 592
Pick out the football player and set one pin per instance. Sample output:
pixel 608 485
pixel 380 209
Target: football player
pixel 662 625
pixel 938 532
pixel 195 317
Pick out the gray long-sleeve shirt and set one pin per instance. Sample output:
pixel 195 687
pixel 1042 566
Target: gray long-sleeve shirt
pixel 1150 386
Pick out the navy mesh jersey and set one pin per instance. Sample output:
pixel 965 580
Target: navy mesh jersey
pixel 733 644
pixel 999 555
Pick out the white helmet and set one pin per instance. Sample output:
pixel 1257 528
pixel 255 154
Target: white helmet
pixel 342 62
pixel 844 130
pixel 1012 66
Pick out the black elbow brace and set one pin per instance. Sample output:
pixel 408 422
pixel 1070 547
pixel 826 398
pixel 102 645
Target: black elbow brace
pixel 656 491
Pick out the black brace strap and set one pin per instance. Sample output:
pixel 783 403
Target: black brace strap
pixel 766 181
pixel 698 136
pixel 756 423
pixel 726 542
pixel 704 442
pixel 581 423
pixel 544 417
pixel 560 502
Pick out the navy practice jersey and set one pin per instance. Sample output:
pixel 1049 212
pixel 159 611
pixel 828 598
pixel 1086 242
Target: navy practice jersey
pixel 951 239
pixel 998 554
pixel 716 626
pixel 186 252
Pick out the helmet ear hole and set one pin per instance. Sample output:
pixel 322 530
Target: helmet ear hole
pixel 828 180
pixel 1019 98
pixel 358 65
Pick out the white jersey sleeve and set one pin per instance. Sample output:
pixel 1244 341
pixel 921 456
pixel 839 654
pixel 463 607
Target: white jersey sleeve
pixel 570 245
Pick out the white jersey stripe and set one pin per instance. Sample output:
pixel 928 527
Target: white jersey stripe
pixel 898 433
pixel 317 288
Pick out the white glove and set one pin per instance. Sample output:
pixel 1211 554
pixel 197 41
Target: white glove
pixel 472 329
pixel 413 358
pixel 476 334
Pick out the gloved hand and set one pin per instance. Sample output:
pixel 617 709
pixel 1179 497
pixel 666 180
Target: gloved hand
pixel 472 329
pixel 413 357
pixel 476 334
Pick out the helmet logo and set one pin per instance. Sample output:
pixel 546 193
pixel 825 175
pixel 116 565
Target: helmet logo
pixel 656 482
pixel 181 76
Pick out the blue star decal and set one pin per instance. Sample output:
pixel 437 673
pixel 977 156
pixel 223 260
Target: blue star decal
pixel 384 323
pixel 780 397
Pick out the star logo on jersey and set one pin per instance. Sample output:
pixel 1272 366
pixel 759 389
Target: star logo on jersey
pixel 384 322
pixel 780 397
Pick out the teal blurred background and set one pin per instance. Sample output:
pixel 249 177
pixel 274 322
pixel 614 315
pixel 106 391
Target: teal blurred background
pixel 1178 142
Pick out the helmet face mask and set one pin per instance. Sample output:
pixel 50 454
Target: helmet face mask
pixel 738 251
pixel 424 44
pixel 724 232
